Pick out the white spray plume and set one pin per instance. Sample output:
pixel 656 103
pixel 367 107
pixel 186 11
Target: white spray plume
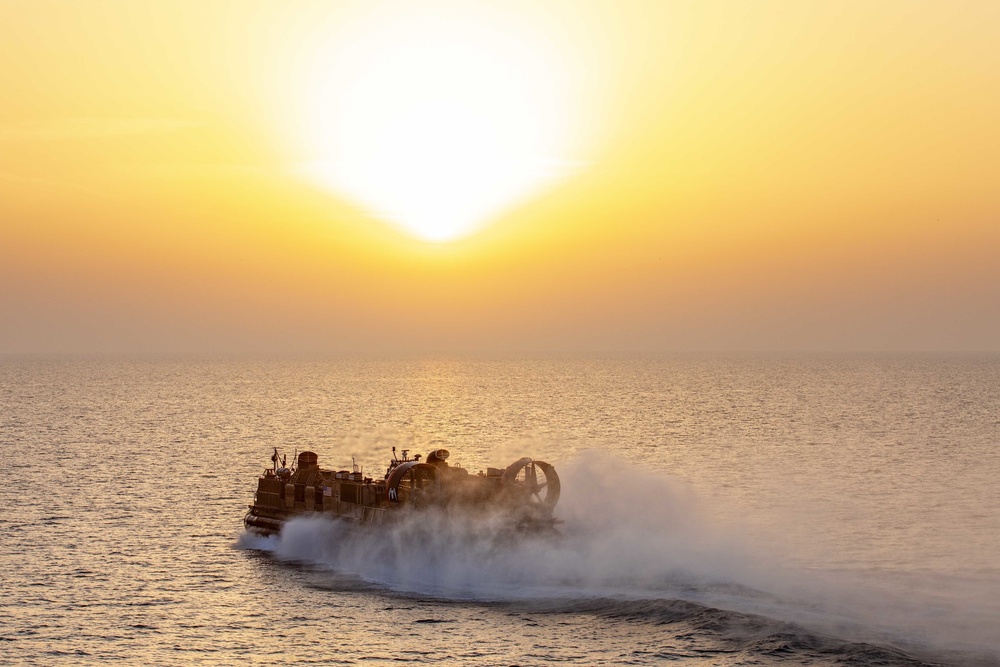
pixel 631 533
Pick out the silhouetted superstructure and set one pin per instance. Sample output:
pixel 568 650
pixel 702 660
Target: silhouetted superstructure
pixel 525 492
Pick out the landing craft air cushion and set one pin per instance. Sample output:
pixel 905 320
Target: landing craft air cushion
pixel 525 492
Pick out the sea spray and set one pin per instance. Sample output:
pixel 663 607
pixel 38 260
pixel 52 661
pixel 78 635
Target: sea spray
pixel 624 531
pixel 639 535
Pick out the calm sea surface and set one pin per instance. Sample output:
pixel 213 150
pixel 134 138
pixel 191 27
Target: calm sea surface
pixel 717 512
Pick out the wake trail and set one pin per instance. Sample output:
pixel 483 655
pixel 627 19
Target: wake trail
pixel 632 536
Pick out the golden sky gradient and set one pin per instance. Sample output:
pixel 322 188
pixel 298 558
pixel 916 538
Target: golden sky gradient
pixel 623 176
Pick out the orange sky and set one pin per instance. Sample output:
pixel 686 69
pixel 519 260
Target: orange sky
pixel 240 177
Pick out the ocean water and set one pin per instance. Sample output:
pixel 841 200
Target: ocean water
pixel 717 511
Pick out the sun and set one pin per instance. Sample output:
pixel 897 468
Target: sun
pixel 440 124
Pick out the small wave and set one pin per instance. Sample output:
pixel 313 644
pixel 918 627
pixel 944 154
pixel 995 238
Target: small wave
pixel 696 629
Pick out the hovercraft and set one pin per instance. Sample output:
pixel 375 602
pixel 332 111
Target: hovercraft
pixel 525 492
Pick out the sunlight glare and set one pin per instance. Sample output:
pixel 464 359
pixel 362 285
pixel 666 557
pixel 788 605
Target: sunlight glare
pixel 440 125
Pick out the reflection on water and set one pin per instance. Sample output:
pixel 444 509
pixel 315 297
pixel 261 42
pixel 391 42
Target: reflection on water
pixel 707 503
